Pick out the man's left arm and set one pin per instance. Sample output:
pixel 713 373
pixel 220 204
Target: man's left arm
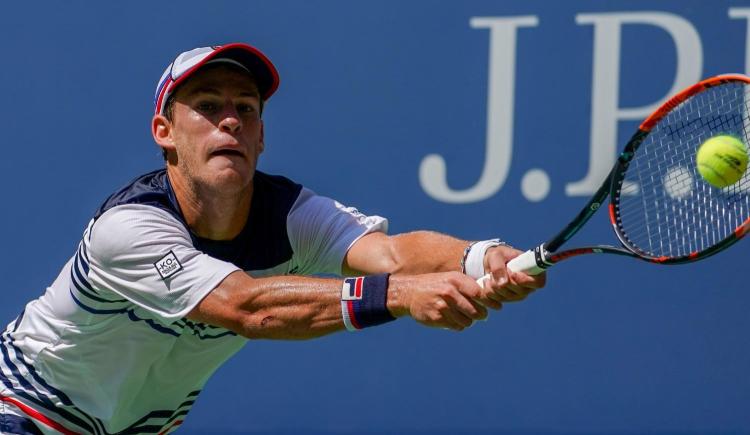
pixel 425 251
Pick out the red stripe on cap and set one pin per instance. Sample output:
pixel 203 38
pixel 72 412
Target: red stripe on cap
pixel 221 49
pixel 358 287
pixel 352 317
pixel 269 72
pixel 37 416
pixel 160 100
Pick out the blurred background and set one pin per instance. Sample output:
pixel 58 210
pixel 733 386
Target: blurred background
pixel 476 118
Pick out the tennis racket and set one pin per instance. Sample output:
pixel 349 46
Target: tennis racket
pixel 660 207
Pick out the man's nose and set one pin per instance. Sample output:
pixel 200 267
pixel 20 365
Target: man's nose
pixel 230 121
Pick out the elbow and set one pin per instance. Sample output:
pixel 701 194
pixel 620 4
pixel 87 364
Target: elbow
pixel 264 325
pixel 260 325
pixel 254 325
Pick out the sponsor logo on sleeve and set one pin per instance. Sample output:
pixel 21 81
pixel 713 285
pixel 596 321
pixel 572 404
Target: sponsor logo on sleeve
pixel 168 265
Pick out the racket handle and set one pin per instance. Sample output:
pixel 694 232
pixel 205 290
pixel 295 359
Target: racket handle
pixel 525 263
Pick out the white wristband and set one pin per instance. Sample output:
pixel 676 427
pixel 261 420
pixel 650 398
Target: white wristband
pixel 474 262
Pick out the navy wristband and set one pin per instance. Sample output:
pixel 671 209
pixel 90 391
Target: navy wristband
pixel 363 301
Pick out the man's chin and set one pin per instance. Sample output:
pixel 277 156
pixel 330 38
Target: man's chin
pixel 232 177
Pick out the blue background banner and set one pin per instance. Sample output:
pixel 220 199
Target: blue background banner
pixel 480 119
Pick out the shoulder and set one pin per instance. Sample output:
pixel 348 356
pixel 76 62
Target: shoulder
pixel 130 228
pixel 152 189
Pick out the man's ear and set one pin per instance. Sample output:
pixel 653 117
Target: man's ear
pixel 161 130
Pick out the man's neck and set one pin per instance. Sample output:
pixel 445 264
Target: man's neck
pixel 209 214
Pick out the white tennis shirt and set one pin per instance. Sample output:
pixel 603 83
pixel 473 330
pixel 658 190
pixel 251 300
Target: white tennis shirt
pixel 108 349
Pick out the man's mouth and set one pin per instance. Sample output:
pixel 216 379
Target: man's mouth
pixel 227 152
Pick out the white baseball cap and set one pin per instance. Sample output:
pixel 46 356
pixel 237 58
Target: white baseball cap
pixel 242 55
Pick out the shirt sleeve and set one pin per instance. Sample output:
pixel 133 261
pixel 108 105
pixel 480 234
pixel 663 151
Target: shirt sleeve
pixel 322 230
pixel 146 255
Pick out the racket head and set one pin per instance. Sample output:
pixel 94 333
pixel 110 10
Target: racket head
pixel 661 209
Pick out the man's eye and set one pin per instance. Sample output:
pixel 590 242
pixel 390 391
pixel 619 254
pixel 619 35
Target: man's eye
pixel 245 108
pixel 206 107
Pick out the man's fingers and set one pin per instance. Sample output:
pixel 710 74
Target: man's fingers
pixel 480 309
pixel 518 287
pixel 498 270
pixel 448 317
pixel 465 304
pixel 529 281
pixel 523 285
pixel 509 286
pixel 494 301
pixel 488 296
pixel 518 293
pixel 491 300
pixel 459 319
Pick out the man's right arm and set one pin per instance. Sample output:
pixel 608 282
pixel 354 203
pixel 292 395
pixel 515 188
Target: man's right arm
pixel 129 243
pixel 295 308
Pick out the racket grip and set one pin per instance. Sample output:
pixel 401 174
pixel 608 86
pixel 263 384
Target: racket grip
pixel 525 263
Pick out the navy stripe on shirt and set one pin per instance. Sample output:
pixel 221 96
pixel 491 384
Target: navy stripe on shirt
pixel 15 425
pixel 43 398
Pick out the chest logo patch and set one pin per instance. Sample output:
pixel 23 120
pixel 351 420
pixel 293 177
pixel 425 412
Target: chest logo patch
pixel 168 265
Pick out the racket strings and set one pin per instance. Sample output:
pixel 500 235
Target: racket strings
pixel 665 207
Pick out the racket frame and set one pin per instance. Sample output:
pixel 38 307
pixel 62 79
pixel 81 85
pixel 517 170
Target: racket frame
pixel 546 254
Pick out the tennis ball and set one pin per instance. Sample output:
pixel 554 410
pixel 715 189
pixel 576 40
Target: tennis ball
pixel 722 160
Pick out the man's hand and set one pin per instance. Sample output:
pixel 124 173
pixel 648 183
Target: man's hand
pixel 444 300
pixel 506 286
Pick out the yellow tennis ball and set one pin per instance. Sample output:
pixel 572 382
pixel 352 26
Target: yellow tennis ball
pixel 722 160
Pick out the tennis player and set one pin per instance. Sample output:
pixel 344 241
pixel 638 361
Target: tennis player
pixel 178 269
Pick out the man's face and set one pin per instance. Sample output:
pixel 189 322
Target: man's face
pixel 216 128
